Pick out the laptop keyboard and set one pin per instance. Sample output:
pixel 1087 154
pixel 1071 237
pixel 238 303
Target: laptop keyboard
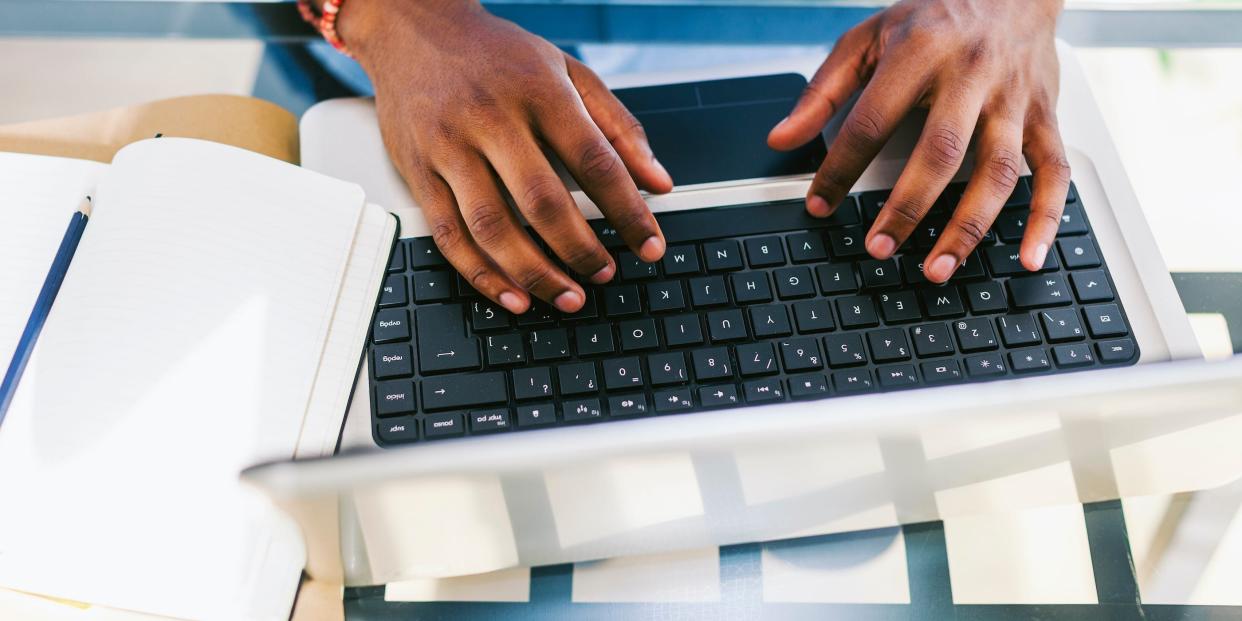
pixel 751 304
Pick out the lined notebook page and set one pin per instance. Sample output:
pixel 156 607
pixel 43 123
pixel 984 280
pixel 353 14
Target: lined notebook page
pixel 38 195
pixel 183 347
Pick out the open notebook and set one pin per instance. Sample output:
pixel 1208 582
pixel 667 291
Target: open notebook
pixel 213 315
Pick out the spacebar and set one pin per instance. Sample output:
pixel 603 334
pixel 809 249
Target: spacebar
pixel 447 392
pixel 715 223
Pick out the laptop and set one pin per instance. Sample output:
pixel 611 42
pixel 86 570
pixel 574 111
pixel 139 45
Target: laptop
pixel 761 323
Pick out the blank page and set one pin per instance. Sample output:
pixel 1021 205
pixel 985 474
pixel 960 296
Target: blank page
pixel 38 195
pixel 183 346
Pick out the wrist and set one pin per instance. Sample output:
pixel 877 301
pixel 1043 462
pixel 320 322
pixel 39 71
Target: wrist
pixel 366 24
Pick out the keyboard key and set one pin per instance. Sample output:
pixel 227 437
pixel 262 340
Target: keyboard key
pixel 627 405
pixel 532 383
pixel 718 396
pixel 1031 360
pixel 986 298
pixel 487 315
pixel 432 286
pixel 1073 222
pixel 912 269
pixel 681 260
pixel 970 269
pixel 900 307
pixel 873 203
pixel 1104 320
pixel 943 302
pixel 1078 252
pixel 667 368
pixel 539 315
pixel 1116 351
pixel 622 300
pixel 577 378
pixel 1091 286
pixel 1006 261
pixel 536 415
pixel 879 274
pixel 931 339
pixel 395 398
pixel 757 359
pixel 638 335
pixel 681 330
pixel 845 215
pixel 770 320
pixel 442 344
pixel 888 345
pixel 589 310
pixel 941 372
pixel 710 364
pixel 985 366
pixel 848 242
pixel 623 373
pixel 581 410
pixel 1061 324
pixel 451 392
pixel 488 421
pixel 1011 226
pixel 813 316
pixel 634 268
pixel 673 401
pixel 1021 195
pixel 1071 356
pixel 836 278
pixel 708 291
pixel 394 293
pixel 594 339
pixel 852 382
pixel 801 355
pixel 722 256
pixel 857 312
pixel 464 290
pixel 1039 291
pixel 763 391
pixel 898 376
pixel 396 262
pixel 726 325
pixel 424 254
pixel 794 282
pixel 1018 330
pixel 765 251
pixel 398 430
pixel 391 325
pixel 443 426
pixel 927 233
pixel 550 344
pixel 806 247
pixel 975 335
pixel 808 386
pixel 504 349
pixel 666 296
pixel 845 350
pixel 388 361
pixel 751 287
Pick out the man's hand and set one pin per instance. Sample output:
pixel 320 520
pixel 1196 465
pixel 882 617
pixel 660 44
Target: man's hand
pixel 466 103
pixel 986 68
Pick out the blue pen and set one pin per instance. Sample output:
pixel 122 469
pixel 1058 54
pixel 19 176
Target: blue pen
pixel 43 304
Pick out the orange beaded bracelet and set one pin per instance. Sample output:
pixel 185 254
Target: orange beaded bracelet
pixel 325 22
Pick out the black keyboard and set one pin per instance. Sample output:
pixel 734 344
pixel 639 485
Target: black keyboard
pixel 751 304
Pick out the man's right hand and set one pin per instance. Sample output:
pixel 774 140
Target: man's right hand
pixel 466 102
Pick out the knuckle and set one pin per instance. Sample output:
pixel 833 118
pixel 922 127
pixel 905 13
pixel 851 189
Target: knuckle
pixel 585 257
pixel 946 147
pixel 905 211
pixel 830 184
pixel 1058 168
pixel 864 127
pixel 597 162
pixel 1050 214
pixel 544 201
pixel 1002 171
pixel 971 228
pixel 479 277
pixel 446 235
pixel 536 274
pixel 487 223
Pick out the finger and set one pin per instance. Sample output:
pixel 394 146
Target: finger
pixel 998 165
pixel 602 176
pixel 1050 172
pixel 936 158
pixel 497 231
pixel 545 203
pixel 896 87
pixel 451 237
pixel 620 127
pixel 845 70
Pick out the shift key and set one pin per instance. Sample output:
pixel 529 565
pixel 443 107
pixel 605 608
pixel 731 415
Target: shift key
pixel 449 392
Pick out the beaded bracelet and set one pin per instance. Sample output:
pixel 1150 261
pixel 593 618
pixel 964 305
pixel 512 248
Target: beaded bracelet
pixel 325 23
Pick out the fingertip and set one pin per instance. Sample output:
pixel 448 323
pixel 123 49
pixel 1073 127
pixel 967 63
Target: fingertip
pixel 604 274
pixel 817 206
pixel 881 246
pixel 661 182
pixel 1034 261
pixel 651 249
pixel 514 303
pixel 569 302
pixel 941 268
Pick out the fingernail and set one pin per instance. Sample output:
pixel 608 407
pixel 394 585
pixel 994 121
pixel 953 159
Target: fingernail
pixel 942 268
pixel 568 302
pixel 661 168
pixel 817 206
pixel 1041 253
pixel 652 249
pixel 512 302
pixel 781 124
pixel 881 246
pixel 603 275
